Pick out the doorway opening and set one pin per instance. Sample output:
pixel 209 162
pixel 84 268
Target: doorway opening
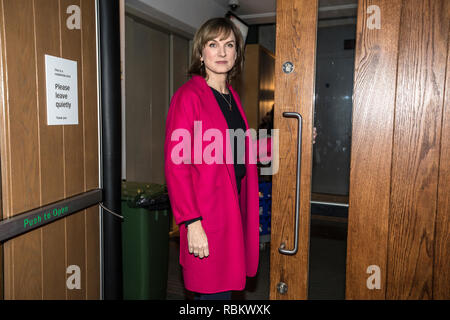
pixel 156 63
pixel 336 35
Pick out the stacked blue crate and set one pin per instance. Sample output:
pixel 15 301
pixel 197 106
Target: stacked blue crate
pixel 265 205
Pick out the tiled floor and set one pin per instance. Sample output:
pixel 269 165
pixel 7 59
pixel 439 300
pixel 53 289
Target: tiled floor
pixel 326 275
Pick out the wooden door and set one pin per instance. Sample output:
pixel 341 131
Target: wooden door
pixel 398 224
pixel 294 92
pixel 41 164
pixel 399 191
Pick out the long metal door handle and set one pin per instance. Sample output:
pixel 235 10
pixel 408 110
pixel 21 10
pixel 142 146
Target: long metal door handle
pixel 282 249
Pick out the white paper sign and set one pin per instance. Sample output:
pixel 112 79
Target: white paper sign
pixel 62 91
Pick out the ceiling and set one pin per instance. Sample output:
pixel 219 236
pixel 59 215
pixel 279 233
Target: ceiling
pixel 264 11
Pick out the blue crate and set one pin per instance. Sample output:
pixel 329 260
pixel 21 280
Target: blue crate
pixel 264 225
pixel 265 207
pixel 265 204
pixel 265 190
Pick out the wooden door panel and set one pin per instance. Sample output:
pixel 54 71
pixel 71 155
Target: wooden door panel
pixel 73 134
pixel 294 92
pixel 441 272
pixel 92 278
pixel 26 265
pixel 52 167
pixel 21 145
pixel 398 214
pixel 398 203
pixel 43 164
pixel 373 112
pixel 415 156
pixel 90 107
pixel 20 91
pixel 54 272
pixel 71 47
pixel 91 148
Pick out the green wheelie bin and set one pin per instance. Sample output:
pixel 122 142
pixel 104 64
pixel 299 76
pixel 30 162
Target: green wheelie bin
pixel 145 240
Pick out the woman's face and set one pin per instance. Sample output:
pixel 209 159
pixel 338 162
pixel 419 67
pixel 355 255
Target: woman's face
pixel 219 55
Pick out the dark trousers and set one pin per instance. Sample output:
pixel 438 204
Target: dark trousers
pixel 213 296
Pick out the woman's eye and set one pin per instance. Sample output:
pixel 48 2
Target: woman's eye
pixel 230 45
pixel 212 45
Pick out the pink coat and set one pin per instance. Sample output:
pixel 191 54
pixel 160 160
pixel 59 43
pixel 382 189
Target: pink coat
pixel 231 222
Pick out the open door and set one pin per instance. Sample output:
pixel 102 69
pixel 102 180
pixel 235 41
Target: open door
pixel 399 193
pixel 398 212
pixel 293 116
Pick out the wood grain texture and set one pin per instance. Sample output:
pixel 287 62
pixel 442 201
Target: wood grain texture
pixel 22 108
pixel 89 87
pixel 27 263
pixel 54 261
pixel 73 134
pixel 92 278
pixel 441 271
pixel 74 155
pixel 46 19
pixel 372 131
pixel 296 42
pixel 415 157
pixel 92 229
pixel 23 148
pixel 40 163
pixel 4 127
pixel 4 158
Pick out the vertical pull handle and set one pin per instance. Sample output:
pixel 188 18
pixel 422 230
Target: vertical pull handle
pixel 282 249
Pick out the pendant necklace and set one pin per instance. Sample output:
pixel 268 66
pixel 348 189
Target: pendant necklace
pixel 228 102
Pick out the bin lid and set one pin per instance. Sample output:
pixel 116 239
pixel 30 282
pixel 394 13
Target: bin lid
pixel 130 189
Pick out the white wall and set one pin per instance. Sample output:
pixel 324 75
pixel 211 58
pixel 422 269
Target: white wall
pixel 183 15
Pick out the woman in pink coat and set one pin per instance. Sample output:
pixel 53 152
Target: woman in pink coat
pixel 213 188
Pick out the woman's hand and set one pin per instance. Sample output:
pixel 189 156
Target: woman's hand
pixel 197 240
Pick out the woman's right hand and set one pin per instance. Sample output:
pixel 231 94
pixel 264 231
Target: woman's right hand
pixel 197 240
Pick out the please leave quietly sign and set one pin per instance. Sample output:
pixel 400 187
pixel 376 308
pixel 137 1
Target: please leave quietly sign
pixel 62 91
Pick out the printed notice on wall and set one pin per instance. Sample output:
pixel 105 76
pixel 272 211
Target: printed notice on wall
pixel 62 91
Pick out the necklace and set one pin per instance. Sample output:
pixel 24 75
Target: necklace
pixel 228 102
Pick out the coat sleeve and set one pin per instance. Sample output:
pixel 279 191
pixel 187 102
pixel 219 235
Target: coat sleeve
pixel 178 144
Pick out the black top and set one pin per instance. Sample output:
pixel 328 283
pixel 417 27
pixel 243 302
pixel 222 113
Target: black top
pixel 235 121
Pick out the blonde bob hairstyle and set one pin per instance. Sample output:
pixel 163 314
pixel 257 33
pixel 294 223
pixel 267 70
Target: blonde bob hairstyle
pixel 210 30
